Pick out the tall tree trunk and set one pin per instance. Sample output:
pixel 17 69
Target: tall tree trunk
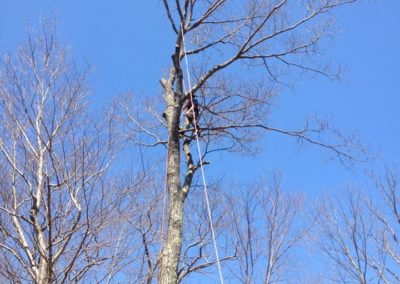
pixel 175 96
pixel 172 247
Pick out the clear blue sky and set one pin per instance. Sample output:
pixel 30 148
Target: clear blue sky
pixel 129 44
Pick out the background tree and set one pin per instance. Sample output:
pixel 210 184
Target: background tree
pixel 269 225
pixel 385 210
pixel 359 232
pixel 54 205
pixel 346 237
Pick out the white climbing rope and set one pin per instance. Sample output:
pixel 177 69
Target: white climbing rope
pixel 201 162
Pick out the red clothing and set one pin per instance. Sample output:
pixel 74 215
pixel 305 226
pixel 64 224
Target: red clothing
pixel 192 112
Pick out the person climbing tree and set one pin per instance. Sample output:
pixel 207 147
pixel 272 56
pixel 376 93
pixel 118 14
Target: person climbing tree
pixel 191 109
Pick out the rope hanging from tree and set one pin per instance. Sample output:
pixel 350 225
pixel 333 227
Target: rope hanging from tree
pixel 201 161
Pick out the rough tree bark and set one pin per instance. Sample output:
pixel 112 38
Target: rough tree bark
pixel 174 100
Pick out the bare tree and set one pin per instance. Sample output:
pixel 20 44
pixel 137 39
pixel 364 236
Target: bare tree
pixel 227 108
pixel 53 198
pixel 222 36
pixel 135 255
pixel 198 256
pixel 359 232
pixel 346 237
pixel 139 212
pixel 269 226
pixel 386 260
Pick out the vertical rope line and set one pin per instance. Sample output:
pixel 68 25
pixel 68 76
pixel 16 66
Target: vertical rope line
pixel 201 162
